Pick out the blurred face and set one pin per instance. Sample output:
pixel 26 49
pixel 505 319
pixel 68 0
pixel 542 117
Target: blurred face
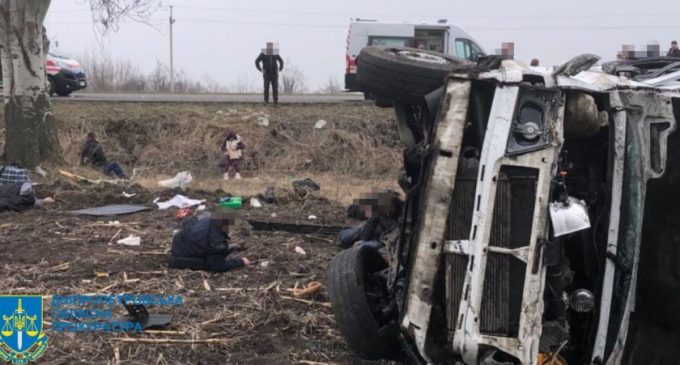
pixel 227 218
pixel 674 45
pixel 368 211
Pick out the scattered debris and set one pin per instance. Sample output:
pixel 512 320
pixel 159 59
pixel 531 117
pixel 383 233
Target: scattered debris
pixel 274 215
pixel 61 267
pixel 130 240
pixel 306 183
pixel 300 250
pixel 115 209
pixel 179 201
pixel 312 217
pixel 40 171
pixel 269 196
pixel 322 229
pixel 255 203
pixel 264 263
pixel 82 179
pixel 263 121
pixel 310 289
pixel 128 195
pixel 231 202
pixel 320 124
pixel 183 213
pixel 181 180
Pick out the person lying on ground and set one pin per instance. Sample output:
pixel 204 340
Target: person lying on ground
pixel 13 173
pixel 382 212
pixel 19 196
pixel 203 244
pixel 232 147
pixel 93 154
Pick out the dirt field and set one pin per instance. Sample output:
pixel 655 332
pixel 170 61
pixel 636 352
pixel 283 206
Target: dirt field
pixel 248 316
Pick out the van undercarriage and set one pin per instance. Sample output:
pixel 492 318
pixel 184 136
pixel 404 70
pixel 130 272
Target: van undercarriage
pixel 538 222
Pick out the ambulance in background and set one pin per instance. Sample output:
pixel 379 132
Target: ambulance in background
pixel 439 37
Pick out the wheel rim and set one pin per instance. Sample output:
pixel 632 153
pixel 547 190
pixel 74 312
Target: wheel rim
pixel 422 57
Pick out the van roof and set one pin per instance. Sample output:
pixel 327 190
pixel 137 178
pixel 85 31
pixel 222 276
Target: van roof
pixel 423 23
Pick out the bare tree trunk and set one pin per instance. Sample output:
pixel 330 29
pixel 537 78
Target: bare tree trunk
pixel 31 136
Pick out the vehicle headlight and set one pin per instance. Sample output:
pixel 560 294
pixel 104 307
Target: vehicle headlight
pixel 582 301
pixel 62 64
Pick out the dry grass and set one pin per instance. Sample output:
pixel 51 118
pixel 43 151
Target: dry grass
pixel 359 140
pixel 356 152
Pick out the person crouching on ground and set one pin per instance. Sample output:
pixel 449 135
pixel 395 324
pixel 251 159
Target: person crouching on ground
pixel 203 244
pixel 233 152
pixel 93 155
pixel 19 196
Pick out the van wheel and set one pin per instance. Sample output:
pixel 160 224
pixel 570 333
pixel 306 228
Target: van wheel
pixel 403 74
pixel 358 294
pixel 51 86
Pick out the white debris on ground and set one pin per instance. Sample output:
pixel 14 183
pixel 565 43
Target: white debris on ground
pixel 181 180
pixel 320 124
pixel 179 201
pixel 130 240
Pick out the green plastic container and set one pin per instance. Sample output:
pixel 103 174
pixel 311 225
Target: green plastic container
pixel 234 202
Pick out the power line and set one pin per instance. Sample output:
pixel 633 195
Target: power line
pixel 469 16
pixel 220 21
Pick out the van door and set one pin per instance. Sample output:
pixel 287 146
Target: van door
pixel 467 49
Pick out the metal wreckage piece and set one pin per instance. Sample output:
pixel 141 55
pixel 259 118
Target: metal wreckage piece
pixel 495 269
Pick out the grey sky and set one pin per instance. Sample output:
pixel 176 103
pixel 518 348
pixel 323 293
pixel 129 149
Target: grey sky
pixel 221 38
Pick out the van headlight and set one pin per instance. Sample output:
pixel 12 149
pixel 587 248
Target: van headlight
pixel 582 301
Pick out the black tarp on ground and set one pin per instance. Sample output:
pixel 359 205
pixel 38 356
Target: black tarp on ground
pixel 116 209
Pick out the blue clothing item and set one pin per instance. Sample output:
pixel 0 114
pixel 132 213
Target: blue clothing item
pixel 348 236
pixel 113 168
pixel 204 238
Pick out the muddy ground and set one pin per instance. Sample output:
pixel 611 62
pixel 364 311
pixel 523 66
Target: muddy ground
pixel 248 316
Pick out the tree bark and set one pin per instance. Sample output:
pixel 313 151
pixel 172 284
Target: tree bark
pixel 31 135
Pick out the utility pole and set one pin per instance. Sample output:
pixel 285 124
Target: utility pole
pixel 172 61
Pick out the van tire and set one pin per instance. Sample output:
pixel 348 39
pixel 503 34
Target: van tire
pixel 403 74
pixel 347 283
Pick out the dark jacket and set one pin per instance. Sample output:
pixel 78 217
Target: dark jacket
pixel 269 64
pixel 673 53
pixel 204 238
pixel 93 154
pixel 11 198
pixel 376 226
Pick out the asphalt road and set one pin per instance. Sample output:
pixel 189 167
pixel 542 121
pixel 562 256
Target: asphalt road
pixel 210 98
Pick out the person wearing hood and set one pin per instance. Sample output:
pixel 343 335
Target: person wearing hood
pixel 232 147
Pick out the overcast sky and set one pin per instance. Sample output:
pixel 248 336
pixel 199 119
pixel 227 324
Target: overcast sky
pixel 221 38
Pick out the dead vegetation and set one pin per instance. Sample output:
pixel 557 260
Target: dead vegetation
pixel 357 142
pixel 245 317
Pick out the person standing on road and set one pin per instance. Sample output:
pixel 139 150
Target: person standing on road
pixel 232 147
pixel 270 63
pixel 674 51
